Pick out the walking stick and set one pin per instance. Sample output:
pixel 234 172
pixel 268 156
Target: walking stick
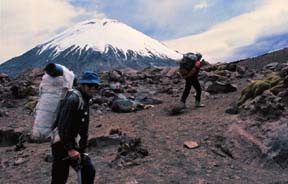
pixel 78 166
pixel 78 169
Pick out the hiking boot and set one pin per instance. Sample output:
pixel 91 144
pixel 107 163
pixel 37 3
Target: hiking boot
pixel 182 105
pixel 198 104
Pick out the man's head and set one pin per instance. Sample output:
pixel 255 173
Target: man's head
pixel 89 83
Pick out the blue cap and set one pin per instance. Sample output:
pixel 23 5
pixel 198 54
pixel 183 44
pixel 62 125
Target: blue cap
pixel 89 77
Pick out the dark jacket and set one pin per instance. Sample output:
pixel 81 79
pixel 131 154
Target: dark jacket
pixel 74 120
pixel 193 68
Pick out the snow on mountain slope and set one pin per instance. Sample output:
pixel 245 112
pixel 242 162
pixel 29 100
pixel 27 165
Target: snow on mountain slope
pixel 98 44
pixel 99 34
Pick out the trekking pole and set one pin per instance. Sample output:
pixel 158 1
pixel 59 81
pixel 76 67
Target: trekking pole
pixel 79 166
pixel 179 75
pixel 78 169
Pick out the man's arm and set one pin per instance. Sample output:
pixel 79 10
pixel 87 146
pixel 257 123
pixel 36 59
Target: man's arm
pixel 194 70
pixel 66 123
pixel 83 132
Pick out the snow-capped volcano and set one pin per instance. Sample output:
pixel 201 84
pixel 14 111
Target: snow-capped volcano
pixel 100 34
pixel 96 45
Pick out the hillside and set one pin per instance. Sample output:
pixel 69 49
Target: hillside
pixel 242 144
pixel 280 56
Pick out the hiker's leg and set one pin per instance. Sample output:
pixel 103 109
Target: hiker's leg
pixel 88 171
pixel 60 172
pixel 186 90
pixel 198 89
pixel 60 167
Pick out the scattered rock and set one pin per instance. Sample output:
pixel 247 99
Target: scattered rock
pixel 115 131
pixel 191 144
pixel 220 87
pixel 3 113
pixel 176 109
pixel 267 106
pixel 31 104
pixel 271 66
pixel 20 161
pixel 146 99
pixel 4 163
pixel 129 152
pixel 232 109
pixel 273 82
pixel 9 137
pixel 104 141
pixel 48 158
pixel 279 151
pixel 241 70
pixel 116 75
pixel 116 87
pixel 123 105
pixel 4 78
pixel 132 181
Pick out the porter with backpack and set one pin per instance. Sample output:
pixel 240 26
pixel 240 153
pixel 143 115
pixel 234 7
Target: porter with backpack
pixel 189 69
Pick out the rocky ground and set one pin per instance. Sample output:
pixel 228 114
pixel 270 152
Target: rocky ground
pixel 239 137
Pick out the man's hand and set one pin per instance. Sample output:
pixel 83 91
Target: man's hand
pixel 186 76
pixel 74 154
pixel 183 71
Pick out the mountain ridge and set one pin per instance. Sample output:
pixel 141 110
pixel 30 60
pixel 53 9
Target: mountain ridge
pixel 279 56
pixel 95 45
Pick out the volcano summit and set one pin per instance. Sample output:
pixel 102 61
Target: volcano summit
pixel 95 45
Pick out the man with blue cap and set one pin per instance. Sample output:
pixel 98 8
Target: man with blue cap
pixel 73 121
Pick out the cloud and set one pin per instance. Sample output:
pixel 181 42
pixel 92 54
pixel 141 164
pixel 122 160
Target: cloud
pixel 169 19
pixel 26 23
pixel 262 46
pixel 168 14
pixel 201 5
pixel 221 42
pixel 160 19
pixel 156 13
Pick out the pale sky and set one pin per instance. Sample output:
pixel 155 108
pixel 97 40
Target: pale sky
pixel 223 30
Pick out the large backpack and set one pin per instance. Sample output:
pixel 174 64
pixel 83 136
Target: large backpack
pixel 52 91
pixel 187 63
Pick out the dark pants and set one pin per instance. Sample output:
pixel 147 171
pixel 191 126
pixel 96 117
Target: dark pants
pixel 60 166
pixel 189 82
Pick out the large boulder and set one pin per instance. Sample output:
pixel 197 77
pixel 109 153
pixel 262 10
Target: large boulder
pixel 4 78
pixel 22 91
pixel 261 144
pixel 116 76
pixel 147 99
pixel 221 87
pixel 273 82
pixel 267 106
pixel 122 104
pixel 278 150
